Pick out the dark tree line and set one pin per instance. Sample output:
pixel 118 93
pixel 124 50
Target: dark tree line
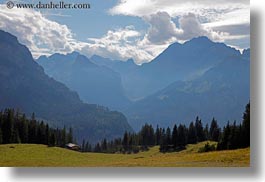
pixel 236 136
pixel 181 135
pixel 16 128
pixel 129 143
pixel 168 139
pixel 232 136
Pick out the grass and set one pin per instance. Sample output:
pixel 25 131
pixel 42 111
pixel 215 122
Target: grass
pixel 40 155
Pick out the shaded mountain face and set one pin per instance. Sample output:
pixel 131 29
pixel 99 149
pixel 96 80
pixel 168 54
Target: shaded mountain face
pixel 197 78
pixel 127 70
pixel 221 92
pixel 177 63
pixel 25 86
pixel 94 83
pixel 121 67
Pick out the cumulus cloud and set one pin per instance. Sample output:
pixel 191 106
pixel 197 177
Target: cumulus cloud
pixel 163 30
pixel 128 43
pixel 191 27
pixel 119 44
pixel 44 36
pixel 213 18
pixel 41 35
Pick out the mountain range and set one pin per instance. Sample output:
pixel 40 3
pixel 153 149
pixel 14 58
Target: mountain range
pixel 197 78
pixel 25 86
pixel 178 62
pixel 96 84
pixel 221 92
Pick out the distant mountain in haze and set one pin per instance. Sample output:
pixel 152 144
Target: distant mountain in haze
pixel 121 67
pixel 198 78
pixel 178 62
pixel 221 92
pixel 94 83
pixel 126 69
pixel 25 86
pixel 246 54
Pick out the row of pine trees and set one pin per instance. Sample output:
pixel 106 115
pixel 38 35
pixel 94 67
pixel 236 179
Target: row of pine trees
pixel 232 136
pixel 16 128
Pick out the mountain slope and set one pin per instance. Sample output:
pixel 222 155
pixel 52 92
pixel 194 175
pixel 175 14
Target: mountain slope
pixel 121 67
pixel 94 84
pixel 221 92
pixel 178 62
pixel 125 68
pixel 25 86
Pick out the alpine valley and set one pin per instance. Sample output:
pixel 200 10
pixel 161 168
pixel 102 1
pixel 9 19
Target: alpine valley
pixel 26 87
pixel 198 78
pixel 95 95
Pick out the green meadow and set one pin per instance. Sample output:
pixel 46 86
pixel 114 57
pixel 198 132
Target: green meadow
pixel 41 155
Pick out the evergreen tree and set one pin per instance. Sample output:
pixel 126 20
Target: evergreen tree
pixel 206 132
pixel 63 139
pixel 88 147
pixel 199 130
pixel 8 126
pixel 70 136
pixel 97 148
pixel 246 126
pixel 181 136
pixel 214 131
pixel 175 136
pixel 192 135
pixel 15 137
pixel 52 140
pixel 24 130
pixel 83 146
pixel 32 136
pixel 130 144
pixel 41 138
pixel 104 145
pixel 168 136
pixel 125 141
pixel 1 135
pixel 163 143
pixel 47 134
pixel 147 136
pixel 158 136
pixel 234 142
pixel 223 144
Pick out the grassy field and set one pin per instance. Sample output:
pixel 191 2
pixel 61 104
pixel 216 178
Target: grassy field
pixel 41 155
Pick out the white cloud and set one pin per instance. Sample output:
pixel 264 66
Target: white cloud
pixel 44 37
pixel 176 7
pixel 215 19
pixel 119 44
pixel 220 21
pixel 129 43
pixel 41 35
pixel 162 28
pixel 164 31
pixel 191 27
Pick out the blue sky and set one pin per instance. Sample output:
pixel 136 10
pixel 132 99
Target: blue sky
pixel 96 21
pixel 123 29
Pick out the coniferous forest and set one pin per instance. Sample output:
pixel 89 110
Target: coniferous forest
pixel 16 128
pixel 232 136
